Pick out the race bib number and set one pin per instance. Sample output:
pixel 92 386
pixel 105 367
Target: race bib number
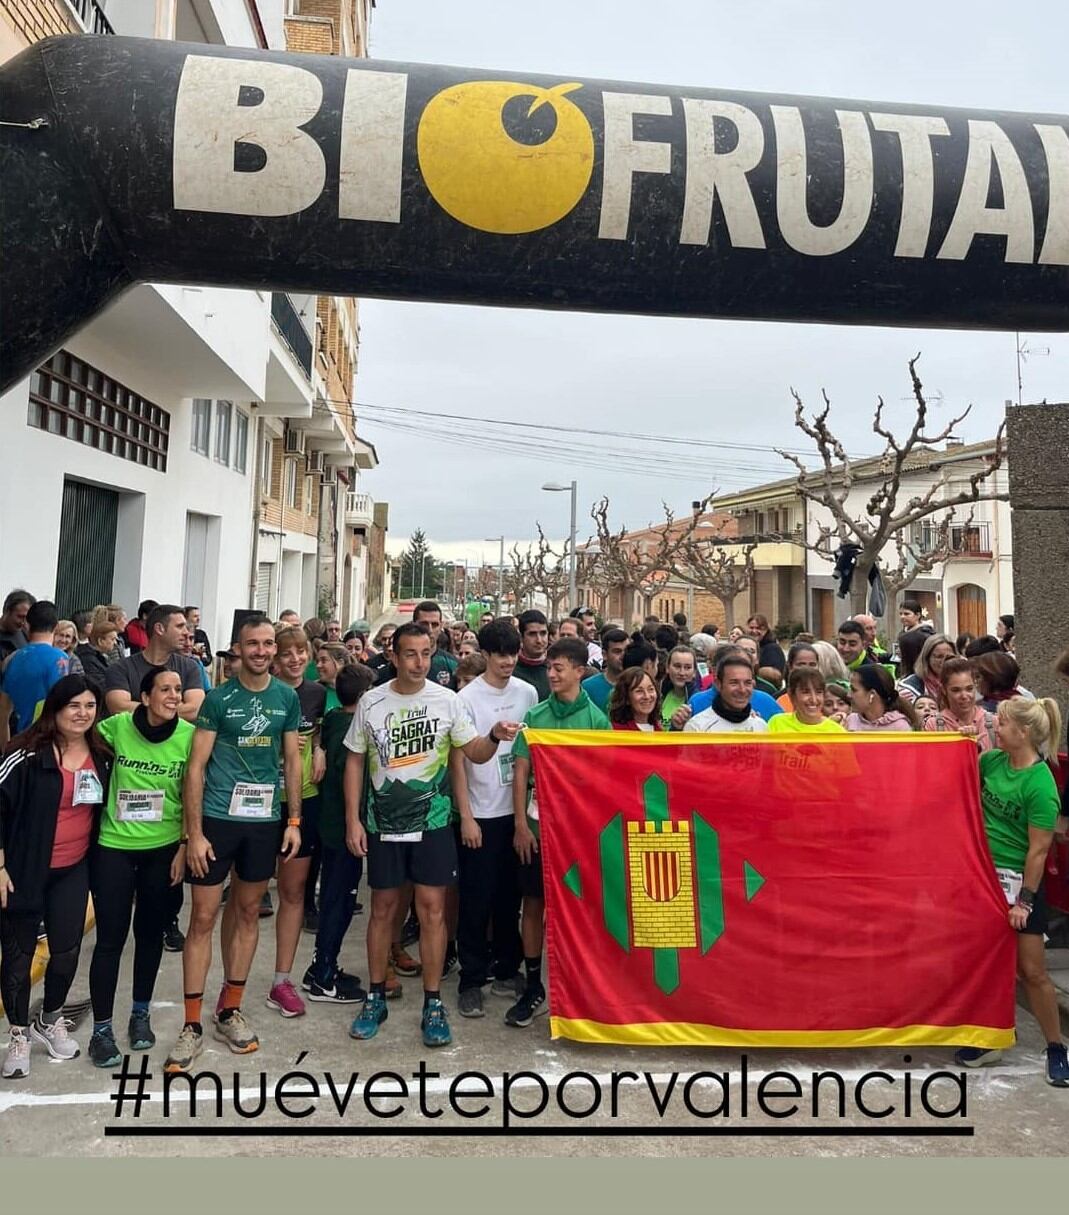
pixel 401 837
pixel 139 806
pixel 251 801
pixel 1011 883
pixel 505 764
pixel 88 790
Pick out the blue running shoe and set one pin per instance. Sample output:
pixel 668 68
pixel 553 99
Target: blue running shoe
pixel 976 1056
pixel 435 1025
pixel 140 1030
pixel 367 1021
pixel 1057 1065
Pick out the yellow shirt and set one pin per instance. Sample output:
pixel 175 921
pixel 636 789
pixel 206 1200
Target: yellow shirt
pixel 788 723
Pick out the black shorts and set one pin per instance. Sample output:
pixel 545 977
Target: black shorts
pixel 1036 924
pixel 530 878
pixel 252 849
pixel 432 861
pixel 309 827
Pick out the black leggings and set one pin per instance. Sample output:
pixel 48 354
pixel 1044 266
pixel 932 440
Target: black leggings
pixel 116 876
pixel 65 899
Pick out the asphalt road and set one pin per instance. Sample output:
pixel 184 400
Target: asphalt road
pixel 309 1090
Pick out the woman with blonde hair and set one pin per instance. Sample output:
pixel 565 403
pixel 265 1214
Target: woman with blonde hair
pixel 1021 805
pixel 830 664
pixel 65 638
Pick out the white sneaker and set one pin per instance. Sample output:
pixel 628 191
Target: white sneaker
pixel 17 1061
pixel 55 1039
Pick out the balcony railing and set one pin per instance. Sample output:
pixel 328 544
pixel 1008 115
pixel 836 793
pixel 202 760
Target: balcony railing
pixel 359 509
pixel 91 16
pixel 290 329
pixel 965 539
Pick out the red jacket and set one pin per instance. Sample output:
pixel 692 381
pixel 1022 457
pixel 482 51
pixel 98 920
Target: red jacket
pixel 632 725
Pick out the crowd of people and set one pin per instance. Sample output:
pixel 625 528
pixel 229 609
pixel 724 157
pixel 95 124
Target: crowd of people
pixel 131 773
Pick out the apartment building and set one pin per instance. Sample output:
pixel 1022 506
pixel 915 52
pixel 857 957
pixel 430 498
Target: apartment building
pixel 190 444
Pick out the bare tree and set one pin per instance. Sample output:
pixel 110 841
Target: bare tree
pixel 520 577
pixel 709 566
pixel 550 573
pixel 885 519
pixel 630 562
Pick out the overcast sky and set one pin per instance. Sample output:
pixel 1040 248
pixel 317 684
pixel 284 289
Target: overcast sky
pixel 688 378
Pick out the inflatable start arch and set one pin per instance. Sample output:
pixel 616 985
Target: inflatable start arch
pixel 124 160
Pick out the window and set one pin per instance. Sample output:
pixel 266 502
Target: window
pixel 265 467
pixel 291 483
pixel 201 434
pixel 76 401
pixel 223 413
pixel 241 441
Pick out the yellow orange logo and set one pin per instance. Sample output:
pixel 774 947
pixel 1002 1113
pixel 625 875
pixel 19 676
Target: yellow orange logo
pixel 485 177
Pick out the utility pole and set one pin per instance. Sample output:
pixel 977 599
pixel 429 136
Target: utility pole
pixel 573 488
pixel 500 568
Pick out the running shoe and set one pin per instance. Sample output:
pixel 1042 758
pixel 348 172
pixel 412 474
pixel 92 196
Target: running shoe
pixel 17 1060
pixel 187 1047
pixel 103 1049
pixel 410 929
pixel 342 989
pixel 311 920
pixel 975 1056
pixel 284 998
pixel 530 1005
pixel 435 1025
pixel 235 1031
pixel 1057 1065
pixel 403 962
pixel 367 1021
pixel 173 938
pixel 510 989
pixel 55 1038
pixel 140 1031
pixel 266 906
pixel 470 1002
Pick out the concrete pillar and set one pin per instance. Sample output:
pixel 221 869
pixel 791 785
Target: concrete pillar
pixel 1038 445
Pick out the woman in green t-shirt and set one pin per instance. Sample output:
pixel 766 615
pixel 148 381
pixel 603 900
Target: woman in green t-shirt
pixel 1021 804
pixel 139 856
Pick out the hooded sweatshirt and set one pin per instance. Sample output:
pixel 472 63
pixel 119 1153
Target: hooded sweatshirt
pixel 894 720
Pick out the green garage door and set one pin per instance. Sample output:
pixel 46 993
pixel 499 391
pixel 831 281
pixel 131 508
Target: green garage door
pixel 86 547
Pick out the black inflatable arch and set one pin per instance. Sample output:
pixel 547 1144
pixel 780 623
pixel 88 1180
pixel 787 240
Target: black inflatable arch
pixel 125 161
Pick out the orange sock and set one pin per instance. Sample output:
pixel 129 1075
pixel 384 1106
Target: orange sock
pixel 193 1002
pixel 233 990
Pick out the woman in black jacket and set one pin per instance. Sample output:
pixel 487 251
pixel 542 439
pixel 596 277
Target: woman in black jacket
pixel 53 783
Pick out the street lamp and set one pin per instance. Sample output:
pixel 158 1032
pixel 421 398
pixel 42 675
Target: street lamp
pixel 500 568
pixel 555 487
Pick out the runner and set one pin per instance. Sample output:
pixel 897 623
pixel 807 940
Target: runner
pixel 53 782
pixel 876 702
pixel 404 732
pixel 568 708
pixel 1021 808
pixel 17 605
pixel 588 625
pixel 489 883
pixel 534 642
pixel 911 615
pixel 443 665
pixel 763 702
pixel 138 856
pixel 681 682
pixel 732 709
pixel 801 654
pixel 771 662
pixel 962 714
pixel 926 677
pixel 873 650
pixel 202 647
pixel 291 658
pixel 166 629
pixel 340 872
pixel 806 688
pixel 598 687
pixel 330 658
pixel 850 643
pixel 634 703
pixel 32 670
pixel 232 820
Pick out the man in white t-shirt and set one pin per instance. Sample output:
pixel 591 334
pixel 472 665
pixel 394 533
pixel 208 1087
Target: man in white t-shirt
pixel 489 883
pixel 403 733
pixel 731 711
